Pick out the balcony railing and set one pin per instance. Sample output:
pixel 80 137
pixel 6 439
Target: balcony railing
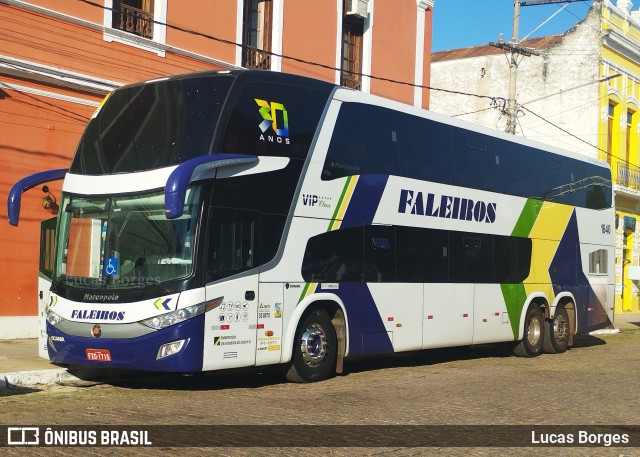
pixel 350 80
pixel 134 21
pixel 628 175
pixel 256 59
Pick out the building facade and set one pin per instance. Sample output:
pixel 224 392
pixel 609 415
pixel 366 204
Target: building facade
pixel 59 58
pixel 577 91
pixel 619 128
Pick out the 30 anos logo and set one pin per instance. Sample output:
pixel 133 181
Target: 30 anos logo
pixel 274 118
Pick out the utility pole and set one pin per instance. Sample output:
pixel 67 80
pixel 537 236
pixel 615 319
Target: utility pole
pixel 513 72
pixel 516 50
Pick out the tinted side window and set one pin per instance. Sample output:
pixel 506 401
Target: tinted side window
pixel 512 259
pixel 379 254
pixel 334 256
pixel 273 120
pixel 477 161
pixel 471 257
pixel 425 149
pixel 240 240
pixel 561 179
pixel 422 255
pixel 265 192
pixel 518 161
pixel 391 254
pixel 597 187
pixel 365 141
pixel 372 140
pixel 231 242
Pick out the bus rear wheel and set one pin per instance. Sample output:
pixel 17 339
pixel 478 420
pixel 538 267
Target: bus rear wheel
pixel 556 335
pixel 314 349
pixel 531 343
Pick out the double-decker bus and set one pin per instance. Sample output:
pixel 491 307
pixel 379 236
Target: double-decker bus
pixel 234 219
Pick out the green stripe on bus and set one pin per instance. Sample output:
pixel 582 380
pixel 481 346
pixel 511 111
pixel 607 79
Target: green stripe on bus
pixel 513 298
pixel 304 292
pixel 527 218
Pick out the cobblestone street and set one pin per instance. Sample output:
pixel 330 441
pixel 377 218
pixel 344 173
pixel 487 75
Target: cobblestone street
pixel 594 383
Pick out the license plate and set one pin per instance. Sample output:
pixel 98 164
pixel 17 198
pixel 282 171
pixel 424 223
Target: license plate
pixel 99 355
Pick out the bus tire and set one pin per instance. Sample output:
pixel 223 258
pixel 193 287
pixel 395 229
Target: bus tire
pixel 556 335
pixel 531 343
pixel 314 349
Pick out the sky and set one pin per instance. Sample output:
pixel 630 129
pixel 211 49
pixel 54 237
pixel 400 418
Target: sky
pixel 464 23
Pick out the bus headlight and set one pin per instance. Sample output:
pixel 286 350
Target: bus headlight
pixel 52 317
pixel 174 317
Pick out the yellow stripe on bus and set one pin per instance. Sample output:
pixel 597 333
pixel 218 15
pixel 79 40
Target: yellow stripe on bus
pixel 344 204
pixel 545 235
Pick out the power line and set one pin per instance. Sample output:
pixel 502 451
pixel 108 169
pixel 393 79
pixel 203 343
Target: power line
pixel 17 36
pixel 295 59
pixel 474 112
pixel 575 136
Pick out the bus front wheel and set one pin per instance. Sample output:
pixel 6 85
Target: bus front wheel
pixel 556 335
pixel 314 349
pixel 531 343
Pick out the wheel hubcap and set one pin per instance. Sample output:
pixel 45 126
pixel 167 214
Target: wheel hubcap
pixel 313 345
pixel 560 329
pixel 534 331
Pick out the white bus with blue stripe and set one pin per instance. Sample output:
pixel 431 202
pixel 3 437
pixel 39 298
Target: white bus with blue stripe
pixel 235 219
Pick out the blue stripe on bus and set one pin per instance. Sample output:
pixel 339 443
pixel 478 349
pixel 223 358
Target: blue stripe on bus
pixel 365 200
pixel 367 333
pixel 135 353
pixel 567 275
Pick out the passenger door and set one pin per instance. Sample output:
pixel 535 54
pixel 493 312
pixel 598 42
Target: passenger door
pixel 45 273
pixel 230 331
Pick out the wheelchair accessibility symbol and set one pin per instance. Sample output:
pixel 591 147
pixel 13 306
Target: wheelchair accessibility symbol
pixel 111 266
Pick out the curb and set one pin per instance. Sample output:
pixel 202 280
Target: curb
pixel 59 376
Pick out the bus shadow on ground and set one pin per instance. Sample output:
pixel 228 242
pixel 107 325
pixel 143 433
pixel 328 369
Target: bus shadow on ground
pixel 427 357
pixel 585 341
pixel 273 375
pixel 446 355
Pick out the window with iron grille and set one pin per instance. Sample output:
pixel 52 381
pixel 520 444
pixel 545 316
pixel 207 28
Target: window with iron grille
pixel 134 16
pixel 352 31
pixel 256 38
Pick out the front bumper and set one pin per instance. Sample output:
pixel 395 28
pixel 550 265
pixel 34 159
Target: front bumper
pixel 137 353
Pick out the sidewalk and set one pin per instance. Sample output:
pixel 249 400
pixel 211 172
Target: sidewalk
pixel 20 365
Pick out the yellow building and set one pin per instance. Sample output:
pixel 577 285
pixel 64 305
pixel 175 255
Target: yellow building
pixel 618 130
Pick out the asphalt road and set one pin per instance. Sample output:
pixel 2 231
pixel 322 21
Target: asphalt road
pixel 390 400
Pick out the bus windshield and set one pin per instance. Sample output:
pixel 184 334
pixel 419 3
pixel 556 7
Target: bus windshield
pixel 152 125
pixel 124 242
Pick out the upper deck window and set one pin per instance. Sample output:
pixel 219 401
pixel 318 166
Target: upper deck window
pixel 152 125
pixel 370 139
